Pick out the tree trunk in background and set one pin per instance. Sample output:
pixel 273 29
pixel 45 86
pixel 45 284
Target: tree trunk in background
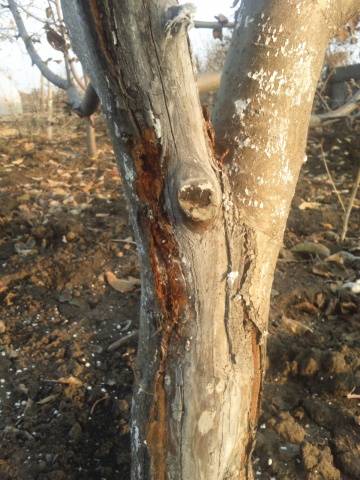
pixel 91 137
pixel 42 93
pixel 49 129
pixel 208 215
pixel 90 128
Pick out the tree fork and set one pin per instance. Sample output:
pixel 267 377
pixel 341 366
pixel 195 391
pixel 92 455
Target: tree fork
pixel 208 226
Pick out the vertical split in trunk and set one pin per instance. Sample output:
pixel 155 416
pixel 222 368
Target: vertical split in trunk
pixel 208 230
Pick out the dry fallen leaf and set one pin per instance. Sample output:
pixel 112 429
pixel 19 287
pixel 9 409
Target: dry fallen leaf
pixel 70 381
pixel 9 299
pixel 17 162
pixel 311 248
pixel 294 326
pixel 344 258
pixel 48 399
pixel 12 277
pixel 321 271
pixel 307 307
pixel 309 206
pixel 122 285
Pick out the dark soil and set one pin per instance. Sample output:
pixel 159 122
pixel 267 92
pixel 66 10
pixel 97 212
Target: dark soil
pixel 65 397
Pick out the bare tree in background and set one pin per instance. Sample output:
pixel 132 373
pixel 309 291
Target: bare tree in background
pixel 81 98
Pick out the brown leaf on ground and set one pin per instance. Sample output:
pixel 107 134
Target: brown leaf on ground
pixel 120 284
pixel 320 270
pixel 70 381
pixel 6 280
pixel 307 307
pixel 48 399
pixel 294 326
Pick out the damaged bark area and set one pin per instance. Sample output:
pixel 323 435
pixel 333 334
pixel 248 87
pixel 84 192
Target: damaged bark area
pixel 168 278
pixel 208 227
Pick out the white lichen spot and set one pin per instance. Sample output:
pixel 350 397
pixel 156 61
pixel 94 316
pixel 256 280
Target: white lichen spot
pixel 248 21
pixel 286 174
pixel 210 388
pixel 220 386
pixel 129 171
pixel 240 107
pixel 117 130
pixel 206 422
pixel 231 278
pixel 157 128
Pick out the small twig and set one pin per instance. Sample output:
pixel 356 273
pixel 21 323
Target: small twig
pixel 323 157
pixel 122 341
pixel 105 397
pixel 212 25
pixel 353 396
pixel 354 190
pixel 120 240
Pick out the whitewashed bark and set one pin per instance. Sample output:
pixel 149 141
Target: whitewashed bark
pixel 208 217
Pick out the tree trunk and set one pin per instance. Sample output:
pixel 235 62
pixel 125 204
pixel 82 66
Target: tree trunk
pixel 49 129
pixel 91 137
pixel 42 93
pixel 208 217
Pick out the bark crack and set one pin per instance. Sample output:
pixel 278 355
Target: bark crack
pixel 229 270
pixel 158 65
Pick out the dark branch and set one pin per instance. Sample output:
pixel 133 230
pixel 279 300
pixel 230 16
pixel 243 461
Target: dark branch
pixel 341 112
pixel 83 106
pixel 86 105
pixel 212 25
pixel 35 57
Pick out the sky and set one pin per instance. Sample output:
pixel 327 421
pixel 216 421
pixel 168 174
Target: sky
pixel 15 62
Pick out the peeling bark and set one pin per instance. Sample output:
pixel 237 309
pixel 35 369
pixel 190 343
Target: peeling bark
pixel 208 215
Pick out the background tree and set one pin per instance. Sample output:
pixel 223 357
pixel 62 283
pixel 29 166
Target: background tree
pixel 204 321
pixel 81 97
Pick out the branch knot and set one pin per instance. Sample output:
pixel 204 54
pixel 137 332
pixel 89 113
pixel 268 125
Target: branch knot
pixel 198 200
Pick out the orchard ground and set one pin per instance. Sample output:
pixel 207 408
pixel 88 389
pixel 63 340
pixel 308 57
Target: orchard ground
pixel 69 290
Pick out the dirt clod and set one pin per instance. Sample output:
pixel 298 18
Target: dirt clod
pixel 318 463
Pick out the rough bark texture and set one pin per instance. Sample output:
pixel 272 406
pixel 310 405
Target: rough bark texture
pixel 208 218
